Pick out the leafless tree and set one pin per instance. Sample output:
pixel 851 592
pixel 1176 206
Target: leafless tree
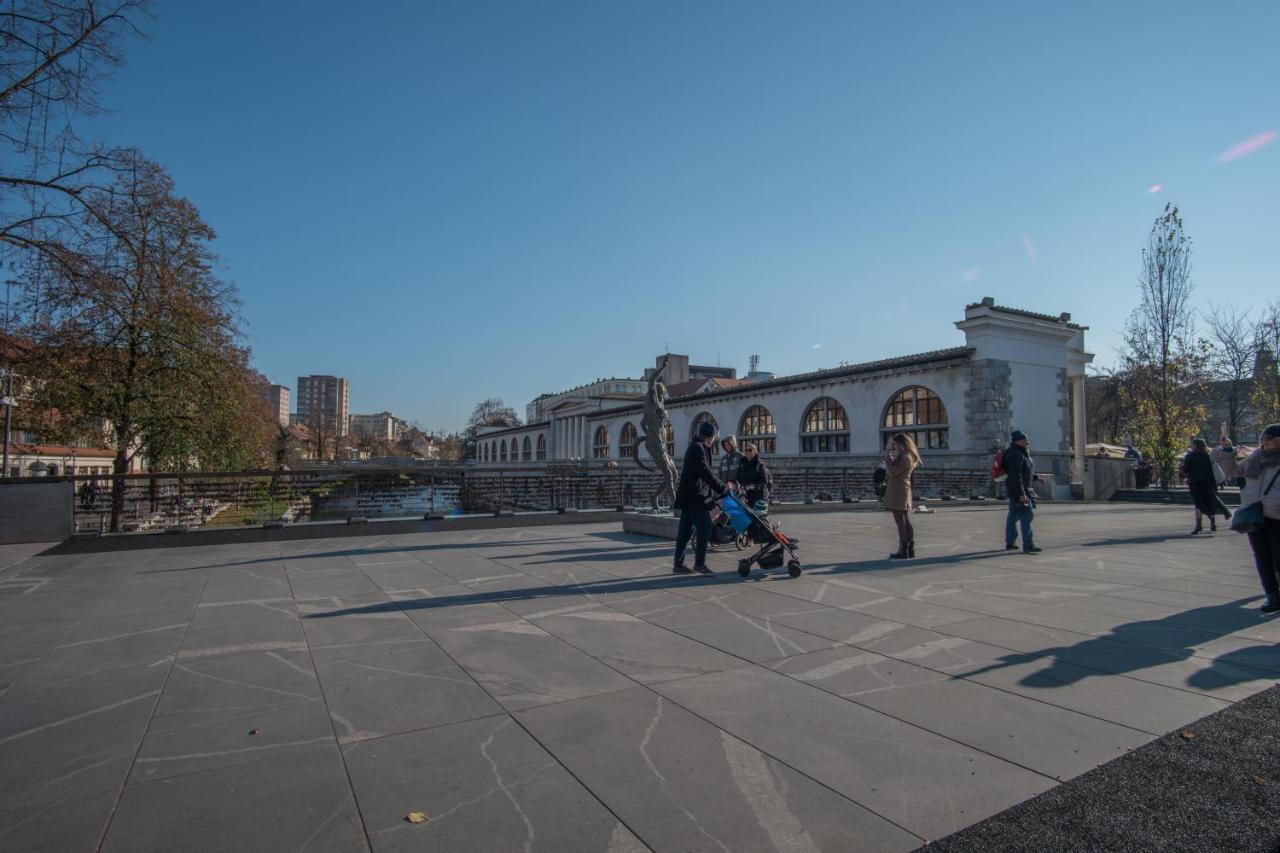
pixel 1231 362
pixel 54 56
pixel 1164 363
pixel 1266 379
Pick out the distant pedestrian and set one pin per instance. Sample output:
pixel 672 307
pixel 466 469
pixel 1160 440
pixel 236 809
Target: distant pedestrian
pixel 1021 471
pixel 1261 470
pixel 697 490
pixel 1197 469
pixel 901 459
pixel 1225 456
pixel 730 459
pixel 88 493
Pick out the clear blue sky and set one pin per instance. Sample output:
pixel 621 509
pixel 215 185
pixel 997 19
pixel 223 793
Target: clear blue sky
pixel 446 201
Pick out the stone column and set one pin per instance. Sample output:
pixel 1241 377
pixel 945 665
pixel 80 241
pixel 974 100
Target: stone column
pixel 1079 425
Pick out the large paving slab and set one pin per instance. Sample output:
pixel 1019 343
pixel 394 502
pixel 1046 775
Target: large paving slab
pixel 557 688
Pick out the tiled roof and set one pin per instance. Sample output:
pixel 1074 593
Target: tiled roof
pixel 916 360
pixel 62 450
pixel 1064 319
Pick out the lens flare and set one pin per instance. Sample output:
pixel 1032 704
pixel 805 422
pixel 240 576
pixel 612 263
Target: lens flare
pixel 1155 188
pixel 1030 247
pixel 969 276
pixel 817 345
pixel 1247 147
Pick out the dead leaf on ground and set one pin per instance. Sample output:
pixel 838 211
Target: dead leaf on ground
pixel 1188 735
pixel 416 817
pixel 1261 780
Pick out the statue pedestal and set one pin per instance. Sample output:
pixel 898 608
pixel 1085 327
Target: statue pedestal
pixel 661 525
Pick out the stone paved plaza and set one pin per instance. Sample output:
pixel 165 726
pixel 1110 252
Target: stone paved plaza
pixel 556 688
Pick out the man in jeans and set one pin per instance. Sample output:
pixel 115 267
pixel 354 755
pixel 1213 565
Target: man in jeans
pixel 1022 504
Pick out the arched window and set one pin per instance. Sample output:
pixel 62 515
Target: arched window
pixel 670 435
pixel 502 451
pixel 627 441
pixel 757 426
pixel 600 444
pixel 919 413
pixel 705 418
pixel 542 447
pixel 484 452
pixel 526 450
pixel 825 428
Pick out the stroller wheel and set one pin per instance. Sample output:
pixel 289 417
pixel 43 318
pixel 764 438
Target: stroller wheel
pixel 744 568
pixel 793 568
pixel 741 541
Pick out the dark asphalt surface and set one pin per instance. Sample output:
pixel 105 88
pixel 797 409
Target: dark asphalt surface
pixel 1213 785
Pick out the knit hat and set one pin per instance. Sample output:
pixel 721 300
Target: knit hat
pixel 706 429
pixel 1016 436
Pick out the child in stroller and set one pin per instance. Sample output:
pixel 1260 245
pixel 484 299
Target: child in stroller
pixel 775 546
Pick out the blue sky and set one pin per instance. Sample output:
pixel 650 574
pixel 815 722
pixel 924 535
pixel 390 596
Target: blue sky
pixel 452 200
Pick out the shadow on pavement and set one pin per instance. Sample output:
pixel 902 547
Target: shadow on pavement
pixel 1100 655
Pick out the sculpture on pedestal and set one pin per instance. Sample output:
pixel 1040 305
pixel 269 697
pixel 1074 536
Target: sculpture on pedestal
pixel 653 423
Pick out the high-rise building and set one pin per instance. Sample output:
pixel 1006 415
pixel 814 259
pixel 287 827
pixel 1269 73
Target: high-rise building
pixel 323 403
pixel 277 397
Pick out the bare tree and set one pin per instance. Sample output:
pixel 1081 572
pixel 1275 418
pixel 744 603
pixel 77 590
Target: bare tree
pixel 1266 379
pixel 1106 406
pixel 1231 362
pixel 54 56
pixel 488 413
pixel 1164 364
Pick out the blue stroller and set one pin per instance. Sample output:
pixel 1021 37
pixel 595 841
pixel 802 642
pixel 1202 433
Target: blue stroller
pixel 775 547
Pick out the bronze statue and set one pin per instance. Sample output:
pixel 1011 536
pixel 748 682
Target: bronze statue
pixel 652 423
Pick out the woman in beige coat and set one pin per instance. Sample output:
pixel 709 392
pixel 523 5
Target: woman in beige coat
pixel 901 459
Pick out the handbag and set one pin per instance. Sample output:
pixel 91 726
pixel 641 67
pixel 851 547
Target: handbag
pixel 1249 519
pixel 1219 476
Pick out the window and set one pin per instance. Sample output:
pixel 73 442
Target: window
pixel 600 446
pixel 919 413
pixel 757 426
pixel 526 450
pixel 502 451
pixel 705 417
pixel 627 441
pixel 670 435
pixel 542 447
pixel 825 428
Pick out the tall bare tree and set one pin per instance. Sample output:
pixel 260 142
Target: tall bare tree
pixel 54 56
pixel 133 327
pixel 487 413
pixel 1231 361
pixel 1266 379
pixel 1164 363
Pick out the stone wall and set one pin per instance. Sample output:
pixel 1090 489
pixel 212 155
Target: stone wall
pixel 988 403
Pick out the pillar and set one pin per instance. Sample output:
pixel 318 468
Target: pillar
pixel 1079 425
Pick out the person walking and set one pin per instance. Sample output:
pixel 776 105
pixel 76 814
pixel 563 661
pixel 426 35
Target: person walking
pixel 730 459
pixel 753 475
pixel 1225 457
pixel 1197 470
pixel 697 489
pixel 1261 470
pixel 901 459
pixel 1021 471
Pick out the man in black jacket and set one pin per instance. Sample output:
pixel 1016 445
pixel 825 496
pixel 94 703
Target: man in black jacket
pixel 1020 469
pixel 698 488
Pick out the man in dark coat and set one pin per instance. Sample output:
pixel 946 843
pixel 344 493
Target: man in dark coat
pixel 1020 468
pixel 698 488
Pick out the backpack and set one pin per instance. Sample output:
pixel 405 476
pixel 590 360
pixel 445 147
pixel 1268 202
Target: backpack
pixel 997 467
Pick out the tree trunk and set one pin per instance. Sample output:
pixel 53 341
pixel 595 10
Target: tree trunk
pixel 120 467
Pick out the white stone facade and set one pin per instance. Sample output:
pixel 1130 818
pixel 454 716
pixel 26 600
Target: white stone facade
pixel 1014 370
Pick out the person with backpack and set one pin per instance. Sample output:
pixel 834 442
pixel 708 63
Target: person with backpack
pixel 1019 470
pixel 1261 470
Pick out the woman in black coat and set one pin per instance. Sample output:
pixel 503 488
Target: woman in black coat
pixel 1197 470
pixel 753 475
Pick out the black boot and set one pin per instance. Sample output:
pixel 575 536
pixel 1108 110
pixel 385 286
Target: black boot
pixel 901 553
pixel 911 547
pixel 1213 524
pixel 1198 530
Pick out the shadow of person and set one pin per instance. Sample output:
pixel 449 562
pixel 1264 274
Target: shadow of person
pixel 1139 645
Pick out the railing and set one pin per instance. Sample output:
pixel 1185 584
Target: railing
pixel 142 503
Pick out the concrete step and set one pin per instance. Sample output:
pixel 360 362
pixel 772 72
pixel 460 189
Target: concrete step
pixel 1230 497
